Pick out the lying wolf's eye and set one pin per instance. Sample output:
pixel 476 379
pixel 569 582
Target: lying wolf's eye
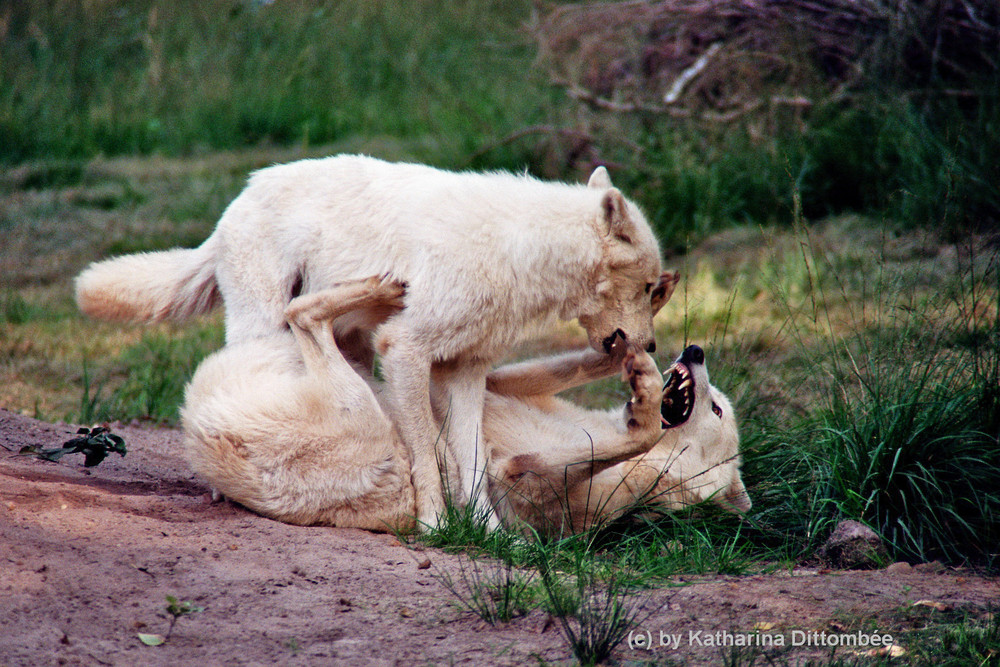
pixel 716 409
pixel 649 287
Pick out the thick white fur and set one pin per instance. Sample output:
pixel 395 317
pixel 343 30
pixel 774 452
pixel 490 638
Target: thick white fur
pixel 298 433
pixel 484 256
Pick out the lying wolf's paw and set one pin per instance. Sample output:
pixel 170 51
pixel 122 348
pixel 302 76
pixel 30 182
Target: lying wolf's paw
pixel 384 288
pixel 643 411
pixel 307 310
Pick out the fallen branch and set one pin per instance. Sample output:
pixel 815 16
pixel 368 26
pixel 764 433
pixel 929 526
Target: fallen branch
pixel 691 72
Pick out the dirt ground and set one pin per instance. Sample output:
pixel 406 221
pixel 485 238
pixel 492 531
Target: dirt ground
pixel 88 556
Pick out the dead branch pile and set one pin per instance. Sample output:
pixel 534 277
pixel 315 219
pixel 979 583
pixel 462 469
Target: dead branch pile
pixel 721 59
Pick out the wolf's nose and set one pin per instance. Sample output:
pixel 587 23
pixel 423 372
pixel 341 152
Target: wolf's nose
pixel 693 355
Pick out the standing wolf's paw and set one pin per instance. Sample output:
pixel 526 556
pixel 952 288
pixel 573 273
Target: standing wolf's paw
pixel 643 411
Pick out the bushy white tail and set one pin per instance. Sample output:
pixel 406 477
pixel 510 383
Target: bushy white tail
pixel 151 286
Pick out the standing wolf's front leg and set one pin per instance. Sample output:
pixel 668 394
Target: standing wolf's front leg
pixel 465 388
pixel 406 367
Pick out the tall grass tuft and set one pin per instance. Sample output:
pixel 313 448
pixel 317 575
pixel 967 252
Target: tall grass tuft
pixel 495 591
pixel 595 607
pixel 905 436
pixel 911 455
pixel 155 370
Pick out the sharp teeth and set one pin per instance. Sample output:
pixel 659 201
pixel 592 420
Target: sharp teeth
pixel 685 384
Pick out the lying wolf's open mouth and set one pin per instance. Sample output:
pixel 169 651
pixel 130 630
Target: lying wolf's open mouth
pixel 678 396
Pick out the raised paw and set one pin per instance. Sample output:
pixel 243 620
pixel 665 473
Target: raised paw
pixel 640 371
pixel 387 289
pixel 307 310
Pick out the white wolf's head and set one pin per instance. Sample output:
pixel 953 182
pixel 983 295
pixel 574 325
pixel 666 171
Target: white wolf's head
pixel 618 302
pixel 699 453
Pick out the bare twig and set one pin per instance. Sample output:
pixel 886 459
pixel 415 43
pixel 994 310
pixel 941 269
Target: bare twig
pixel 691 72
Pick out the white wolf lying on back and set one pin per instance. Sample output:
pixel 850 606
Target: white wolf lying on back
pixel 299 434
pixel 484 257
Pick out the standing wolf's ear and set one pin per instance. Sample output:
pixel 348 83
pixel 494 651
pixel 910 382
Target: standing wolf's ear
pixel 599 180
pixel 614 216
pixel 663 290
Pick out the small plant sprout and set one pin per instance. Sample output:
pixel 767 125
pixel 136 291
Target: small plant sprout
pixel 176 609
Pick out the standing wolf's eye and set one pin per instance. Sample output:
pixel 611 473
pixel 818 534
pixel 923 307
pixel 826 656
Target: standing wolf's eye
pixel 649 286
pixel 716 409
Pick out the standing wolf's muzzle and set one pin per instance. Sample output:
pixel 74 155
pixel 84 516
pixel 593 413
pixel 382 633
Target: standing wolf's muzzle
pixel 609 342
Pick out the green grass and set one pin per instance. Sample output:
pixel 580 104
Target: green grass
pixel 905 435
pixel 493 590
pixel 595 608
pixel 154 373
pixel 461 85
pixel 121 78
pixel 14 309
pixel 595 598
pixel 880 155
pixel 839 267
pixel 869 392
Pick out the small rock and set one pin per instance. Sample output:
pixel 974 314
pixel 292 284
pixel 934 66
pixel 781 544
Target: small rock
pixel 899 568
pixel 934 567
pixel 853 546
pixel 933 604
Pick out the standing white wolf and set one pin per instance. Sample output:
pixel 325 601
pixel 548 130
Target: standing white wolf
pixel 484 257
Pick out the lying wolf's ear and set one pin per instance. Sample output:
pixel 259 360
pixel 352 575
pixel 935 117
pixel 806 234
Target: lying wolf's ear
pixel 614 216
pixel 599 180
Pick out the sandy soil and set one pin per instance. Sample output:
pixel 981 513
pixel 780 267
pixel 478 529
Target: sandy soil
pixel 88 556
